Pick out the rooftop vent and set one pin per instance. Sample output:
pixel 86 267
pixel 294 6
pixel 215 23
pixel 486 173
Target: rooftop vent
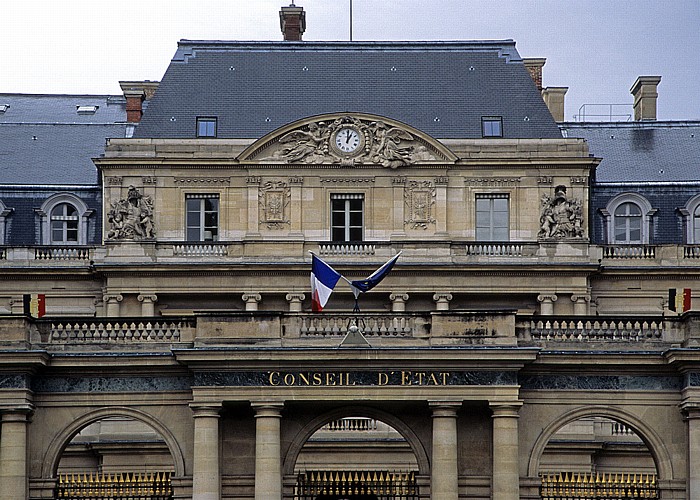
pixel 86 110
pixel 3 108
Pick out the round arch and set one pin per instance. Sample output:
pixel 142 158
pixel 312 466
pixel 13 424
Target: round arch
pixel 312 426
pixel 658 450
pixel 59 443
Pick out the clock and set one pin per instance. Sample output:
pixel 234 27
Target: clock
pixel 347 140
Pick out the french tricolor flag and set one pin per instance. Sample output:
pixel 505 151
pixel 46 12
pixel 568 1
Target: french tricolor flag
pixel 323 280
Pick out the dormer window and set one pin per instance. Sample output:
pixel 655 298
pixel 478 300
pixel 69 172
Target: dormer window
pixel 206 127
pixel 491 126
pixel 86 110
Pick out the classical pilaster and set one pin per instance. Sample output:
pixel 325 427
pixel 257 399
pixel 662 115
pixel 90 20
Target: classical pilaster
pixel 253 184
pixel 441 205
pixel 113 304
pixel 547 304
pixel 444 484
pixel 296 213
pixel 251 301
pixel 295 301
pixel 581 304
pixel 13 454
pixel 206 482
pixel 442 301
pixel 398 302
pixel 692 416
pixel 398 186
pixel 268 458
pixel 148 304
pixel 506 472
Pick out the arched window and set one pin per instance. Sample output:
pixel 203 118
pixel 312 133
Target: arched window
pixel 64 220
pixel 696 225
pixel 691 220
pixel 4 212
pixel 628 223
pixel 628 219
pixel 64 224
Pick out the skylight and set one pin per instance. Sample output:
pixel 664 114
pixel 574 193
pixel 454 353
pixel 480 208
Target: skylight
pixel 3 108
pixel 86 110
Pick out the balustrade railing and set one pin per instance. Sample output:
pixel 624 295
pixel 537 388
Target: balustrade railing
pixel 356 484
pixel 113 330
pixel 346 249
pixel 691 252
pixel 601 486
pixel 369 324
pixel 352 424
pixel 62 253
pixel 591 329
pixel 200 249
pixel 629 252
pixel 116 486
pixel 3 254
pixel 496 249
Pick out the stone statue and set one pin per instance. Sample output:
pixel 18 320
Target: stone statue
pixel 560 217
pixel 131 218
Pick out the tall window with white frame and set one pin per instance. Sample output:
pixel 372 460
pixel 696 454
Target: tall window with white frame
pixel 492 217
pixel 628 223
pixel 64 224
pixel 202 217
pixel 347 217
pixel 696 225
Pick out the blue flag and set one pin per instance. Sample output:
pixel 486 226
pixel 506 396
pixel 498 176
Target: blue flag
pixel 365 285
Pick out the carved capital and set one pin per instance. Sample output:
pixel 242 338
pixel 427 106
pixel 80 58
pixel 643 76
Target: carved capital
pixel 580 298
pixel 251 297
pixel 206 410
pixel 547 298
pixel 509 409
pixel 252 180
pixel 295 297
pixel 147 297
pixel 116 297
pixel 296 180
pixel 398 297
pixel 442 297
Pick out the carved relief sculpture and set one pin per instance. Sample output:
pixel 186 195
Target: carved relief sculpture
pixel 349 141
pixel 131 218
pixel 419 197
pixel 274 201
pixel 560 217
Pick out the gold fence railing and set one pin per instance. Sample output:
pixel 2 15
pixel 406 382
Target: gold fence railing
pixel 601 486
pixel 116 486
pixel 382 484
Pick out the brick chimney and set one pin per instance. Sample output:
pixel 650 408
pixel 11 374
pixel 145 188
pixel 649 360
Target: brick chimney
pixel 135 93
pixel 534 66
pixel 292 22
pixel 644 92
pixel 554 99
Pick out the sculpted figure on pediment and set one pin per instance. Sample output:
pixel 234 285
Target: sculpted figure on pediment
pixel 560 217
pixel 131 218
pixel 348 141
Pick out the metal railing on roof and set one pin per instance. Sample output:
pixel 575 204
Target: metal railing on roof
pixel 604 113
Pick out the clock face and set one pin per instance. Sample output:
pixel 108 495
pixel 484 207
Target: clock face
pixel 347 140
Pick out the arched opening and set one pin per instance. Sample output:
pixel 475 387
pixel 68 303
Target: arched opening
pixel 597 457
pixel 356 458
pixel 117 457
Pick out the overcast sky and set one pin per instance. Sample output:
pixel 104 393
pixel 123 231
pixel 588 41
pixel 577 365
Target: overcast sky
pixel 597 48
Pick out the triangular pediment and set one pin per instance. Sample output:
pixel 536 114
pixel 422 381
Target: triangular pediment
pixel 348 139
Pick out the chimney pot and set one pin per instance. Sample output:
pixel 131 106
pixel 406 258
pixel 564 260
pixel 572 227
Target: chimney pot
pixel 644 92
pixel 135 93
pixel 292 22
pixel 534 66
pixel 554 99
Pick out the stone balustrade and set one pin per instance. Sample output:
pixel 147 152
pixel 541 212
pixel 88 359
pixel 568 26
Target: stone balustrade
pixel 114 330
pixel 592 329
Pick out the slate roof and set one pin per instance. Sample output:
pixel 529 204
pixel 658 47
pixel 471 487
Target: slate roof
pixel 656 151
pixel 43 140
pixel 441 88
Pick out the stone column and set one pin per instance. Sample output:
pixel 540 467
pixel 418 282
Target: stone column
pixel 206 475
pixel 506 471
pixel 580 304
pixel 692 416
pixel 398 302
pixel 113 305
pixel 148 304
pixel 13 454
pixel 442 301
pixel 547 304
pixel 268 458
pixel 295 300
pixel 251 301
pixel 444 484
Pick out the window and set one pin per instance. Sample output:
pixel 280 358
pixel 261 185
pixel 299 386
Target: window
pixel 691 220
pixel 4 212
pixel 628 218
pixel 696 225
pixel 492 217
pixel 202 217
pixel 64 224
pixel 64 220
pixel 206 127
pixel 492 126
pixel 347 217
pixel 628 223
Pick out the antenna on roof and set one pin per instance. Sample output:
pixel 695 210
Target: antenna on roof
pixel 351 20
